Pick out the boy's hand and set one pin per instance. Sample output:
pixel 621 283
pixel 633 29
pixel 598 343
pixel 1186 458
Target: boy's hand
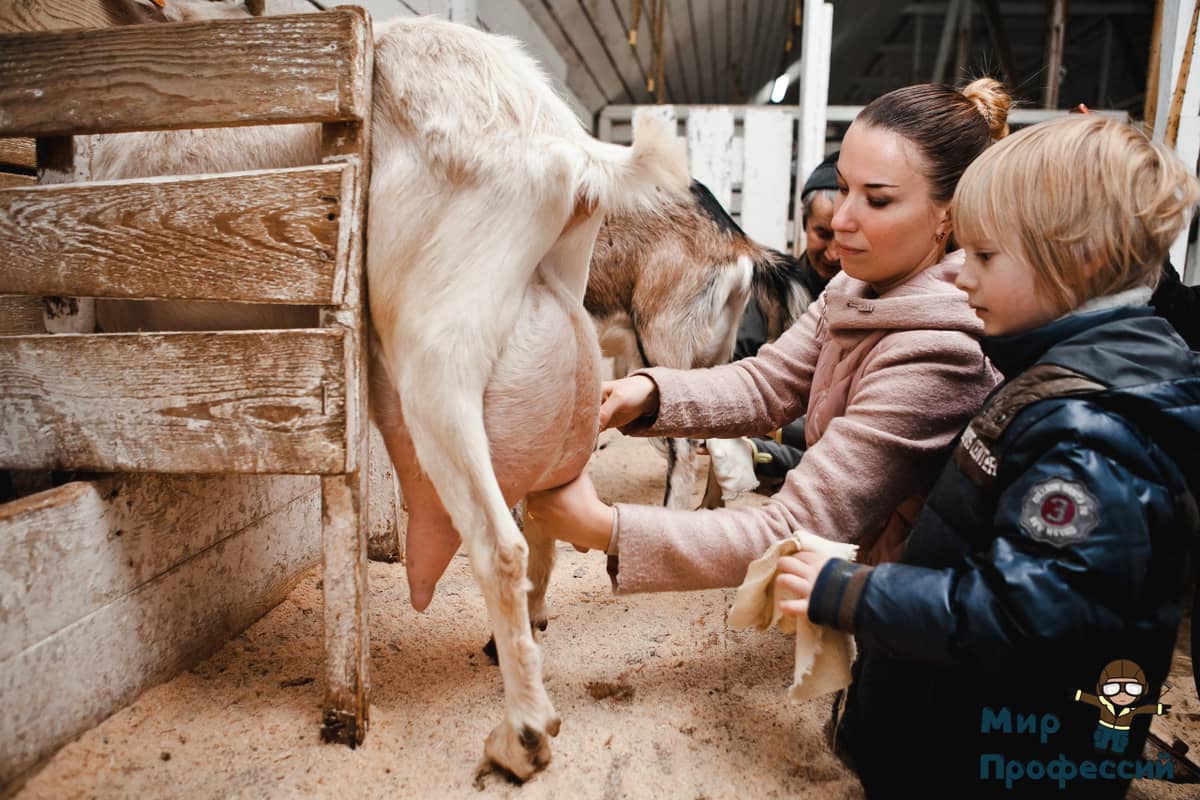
pixel 574 513
pixel 796 575
pixel 623 401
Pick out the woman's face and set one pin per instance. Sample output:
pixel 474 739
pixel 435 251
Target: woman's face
pixel 886 225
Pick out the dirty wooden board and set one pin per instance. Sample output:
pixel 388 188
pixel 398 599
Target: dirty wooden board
pixel 263 236
pixel 386 518
pixel 257 401
pixel 20 314
pixel 47 15
pixel 345 501
pixel 298 68
pixel 15 179
pixel 70 551
pixel 17 155
pixel 77 677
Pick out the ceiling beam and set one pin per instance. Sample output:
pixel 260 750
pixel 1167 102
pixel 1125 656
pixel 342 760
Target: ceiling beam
pixel 999 34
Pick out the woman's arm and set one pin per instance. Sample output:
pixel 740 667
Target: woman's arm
pixel 754 395
pixel 917 393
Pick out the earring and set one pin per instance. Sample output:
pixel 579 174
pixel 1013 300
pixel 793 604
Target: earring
pixel 941 236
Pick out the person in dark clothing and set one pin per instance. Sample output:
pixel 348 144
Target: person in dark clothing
pixel 1179 304
pixel 774 456
pixel 1056 540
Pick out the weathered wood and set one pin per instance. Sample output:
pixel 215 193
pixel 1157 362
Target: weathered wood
pixel 345 499
pixel 384 525
pixel 20 314
pixel 767 183
pixel 1150 107
pixel 57 163
pixel 15 179
pixel 298 68
pixel 75 678
pixel 1181 83
pixel 814 97
pixel 257 401
pixel 347 641
pixel 1056 31
pixel 70 551
pixel 51 15
pixel 710 138
pixel 264 236
pixel 18 153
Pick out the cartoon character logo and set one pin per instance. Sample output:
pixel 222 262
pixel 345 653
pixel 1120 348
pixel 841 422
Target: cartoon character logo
pixel 1122 683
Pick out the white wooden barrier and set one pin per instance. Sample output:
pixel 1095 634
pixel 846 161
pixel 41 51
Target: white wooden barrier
pixel 746 155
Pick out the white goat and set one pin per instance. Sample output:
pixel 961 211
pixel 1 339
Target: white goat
pixel 486 195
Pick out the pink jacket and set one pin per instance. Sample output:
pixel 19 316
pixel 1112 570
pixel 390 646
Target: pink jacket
pixel 887 383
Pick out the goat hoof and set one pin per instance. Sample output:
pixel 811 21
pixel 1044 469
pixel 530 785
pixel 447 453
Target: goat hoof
pixel 520 752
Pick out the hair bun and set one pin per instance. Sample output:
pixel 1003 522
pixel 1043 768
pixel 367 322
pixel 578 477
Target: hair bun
pixel 992 100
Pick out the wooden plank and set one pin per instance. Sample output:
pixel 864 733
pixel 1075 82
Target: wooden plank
pixel 1056 24
pixel 345 499
pixel 385 526
pixel 710 139
pixel 18 154
pixel 263 236
pixel 47 15
pixel 814 97
pixel 69 552
pixel 665 113
pixel 228 72
pixel 83 673
pixel 63 159
pixel 255 401
pixel 20 314
pixel 766 188
pixel 14 179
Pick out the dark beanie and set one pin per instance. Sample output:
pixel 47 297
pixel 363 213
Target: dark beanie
pixel 824 176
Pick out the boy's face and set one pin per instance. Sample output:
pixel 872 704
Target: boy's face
pixel 1003 291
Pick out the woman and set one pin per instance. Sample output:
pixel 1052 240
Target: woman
pixel 886 363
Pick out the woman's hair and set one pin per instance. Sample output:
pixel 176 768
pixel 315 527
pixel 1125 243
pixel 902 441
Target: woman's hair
pixel 1090 203
pixel 950 128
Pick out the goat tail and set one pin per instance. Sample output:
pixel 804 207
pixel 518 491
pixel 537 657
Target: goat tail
pixel 777 288
pixel 622 179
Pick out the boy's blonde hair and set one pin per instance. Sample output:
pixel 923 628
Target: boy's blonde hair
pixel 1090 203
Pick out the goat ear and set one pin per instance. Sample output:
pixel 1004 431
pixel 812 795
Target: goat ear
pixel 256 7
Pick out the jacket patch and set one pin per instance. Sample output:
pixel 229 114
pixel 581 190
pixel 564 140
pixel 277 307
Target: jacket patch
pixel 979 453
pixel 1058 512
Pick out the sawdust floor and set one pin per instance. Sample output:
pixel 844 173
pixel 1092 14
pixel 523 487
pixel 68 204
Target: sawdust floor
pixel 658 699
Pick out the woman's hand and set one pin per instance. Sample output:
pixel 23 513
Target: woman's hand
pixel 796 575
pixel 574 513
pixel 623 401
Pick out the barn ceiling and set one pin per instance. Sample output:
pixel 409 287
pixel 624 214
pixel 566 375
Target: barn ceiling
pixel 724 51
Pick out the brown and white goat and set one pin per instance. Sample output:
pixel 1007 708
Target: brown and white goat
pixel 668 289
pixel 486 195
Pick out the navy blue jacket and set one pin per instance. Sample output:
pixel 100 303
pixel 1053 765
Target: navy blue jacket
pixel 1064 547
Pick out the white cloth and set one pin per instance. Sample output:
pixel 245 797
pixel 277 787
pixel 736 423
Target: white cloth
pixel 823 655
